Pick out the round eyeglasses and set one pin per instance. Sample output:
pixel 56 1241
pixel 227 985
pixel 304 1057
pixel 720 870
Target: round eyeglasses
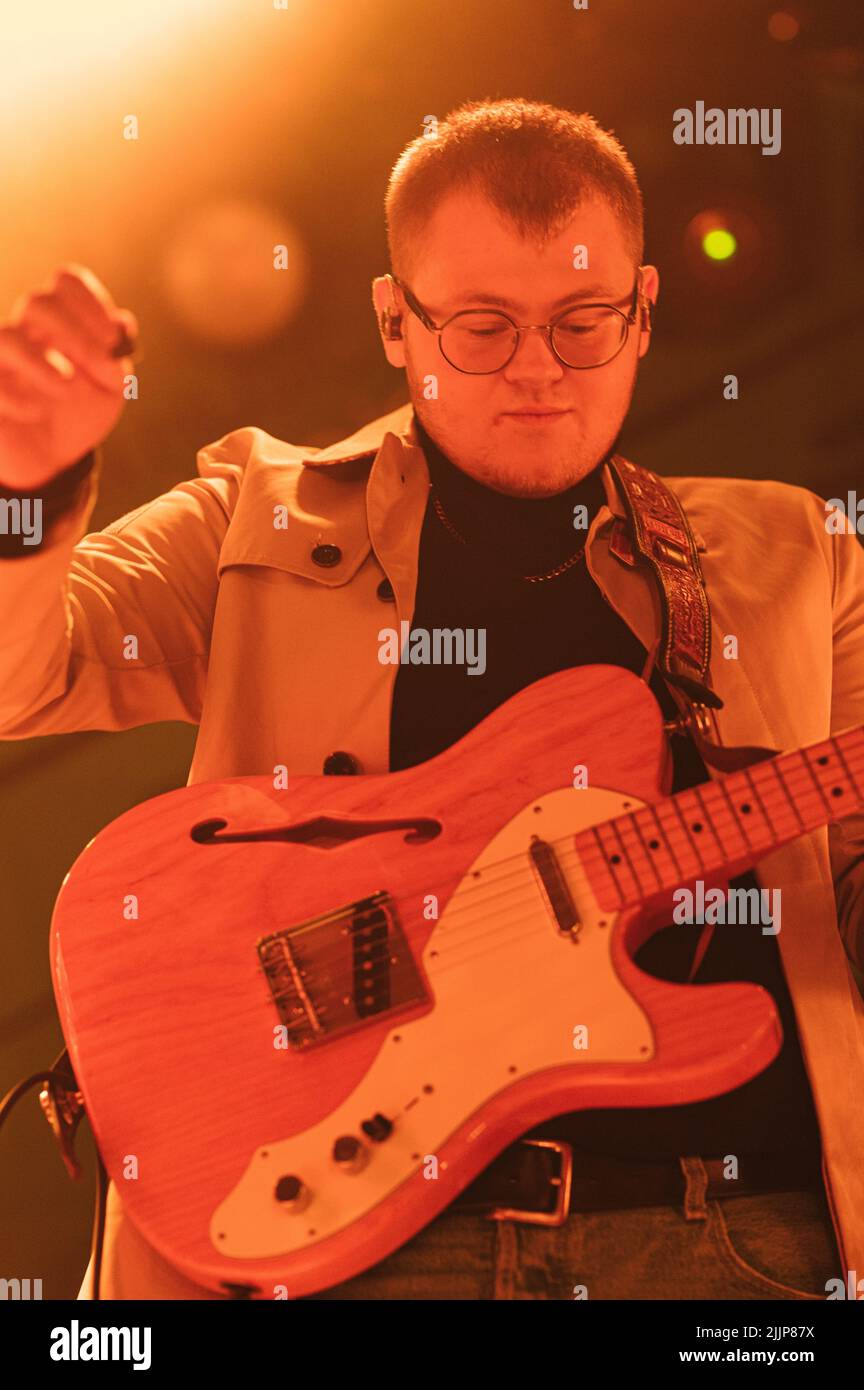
pixel 480 341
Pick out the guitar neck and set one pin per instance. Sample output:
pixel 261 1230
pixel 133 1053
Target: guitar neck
pixel 723 827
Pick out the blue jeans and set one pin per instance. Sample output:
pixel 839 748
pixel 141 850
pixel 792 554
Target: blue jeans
pixel 776 1245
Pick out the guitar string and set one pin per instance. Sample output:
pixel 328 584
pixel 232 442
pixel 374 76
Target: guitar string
pixel 521 912
pixel 576 880
pixel 718 815
pixel 495 934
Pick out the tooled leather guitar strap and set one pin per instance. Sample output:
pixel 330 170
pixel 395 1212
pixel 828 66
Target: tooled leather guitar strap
pixel 659 537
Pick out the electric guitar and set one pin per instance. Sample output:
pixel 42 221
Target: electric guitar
pixel 280 1004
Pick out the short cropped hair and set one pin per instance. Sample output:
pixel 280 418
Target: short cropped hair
pixel 533 162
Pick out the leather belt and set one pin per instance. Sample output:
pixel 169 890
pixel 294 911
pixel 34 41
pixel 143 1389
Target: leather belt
pixel 539 1181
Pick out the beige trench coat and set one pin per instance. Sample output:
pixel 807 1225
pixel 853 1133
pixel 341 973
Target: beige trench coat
pixel 239 630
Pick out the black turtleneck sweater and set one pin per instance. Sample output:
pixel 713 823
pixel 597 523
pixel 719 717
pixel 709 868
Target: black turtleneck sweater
pixel 532 631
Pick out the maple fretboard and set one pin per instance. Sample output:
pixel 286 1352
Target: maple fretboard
pixel 723 826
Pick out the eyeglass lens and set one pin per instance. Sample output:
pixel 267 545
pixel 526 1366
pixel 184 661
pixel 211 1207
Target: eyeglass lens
pixel 478 341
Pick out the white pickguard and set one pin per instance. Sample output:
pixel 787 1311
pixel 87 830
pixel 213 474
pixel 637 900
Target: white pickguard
pixel 509 990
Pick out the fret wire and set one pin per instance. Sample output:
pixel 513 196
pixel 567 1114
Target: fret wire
pixel 726 805
pixel 681 799
pixel 708 815
pixel 756 840
pixel 854 734
pixel 755 790
pixel 802 767
pixel 858 734
pixel 852 780
pixel 711 817
pixel 850 753
pixel 791 764
pixel 826 808
pixel 783 767
pixel 613 825
pixel 611 869
pixel 741 784
pixel 650 808
pixel 648 855
pixel 792 803
pixel 806 764
pixel 730 800
pixel 654 826
pixel 693 846
pixel 590 848
pixel 805 752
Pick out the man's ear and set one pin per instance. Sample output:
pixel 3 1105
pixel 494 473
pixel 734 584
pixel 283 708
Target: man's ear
pixel 390 319
pixel 647 298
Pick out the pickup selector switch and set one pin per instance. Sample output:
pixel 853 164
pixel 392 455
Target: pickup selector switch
pixel 378 1128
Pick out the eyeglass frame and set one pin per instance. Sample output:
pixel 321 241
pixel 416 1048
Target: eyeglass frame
pixel 547 328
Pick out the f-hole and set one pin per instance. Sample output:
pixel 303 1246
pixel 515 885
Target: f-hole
pixel 323 832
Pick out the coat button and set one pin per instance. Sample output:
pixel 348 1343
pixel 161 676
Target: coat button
pixel 326 555
pixel 341 764
pixel 385 592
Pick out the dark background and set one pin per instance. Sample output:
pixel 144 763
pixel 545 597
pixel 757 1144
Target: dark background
pixel 304 111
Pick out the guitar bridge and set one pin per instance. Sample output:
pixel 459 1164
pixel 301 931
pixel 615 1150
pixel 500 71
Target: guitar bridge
pixel 339 971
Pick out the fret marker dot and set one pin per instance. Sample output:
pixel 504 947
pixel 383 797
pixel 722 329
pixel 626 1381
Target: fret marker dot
pixel 746 808
pixel 615 859
pixel 696 827
pixel 653 844
pixel 836 791
pixel 823 760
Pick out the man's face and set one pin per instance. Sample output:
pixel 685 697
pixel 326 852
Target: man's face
pixel 470 250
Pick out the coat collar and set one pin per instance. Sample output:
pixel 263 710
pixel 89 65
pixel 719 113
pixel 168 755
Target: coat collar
pixel 381 464
pixel 370 439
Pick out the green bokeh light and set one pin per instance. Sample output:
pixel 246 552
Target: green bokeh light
pixel 719 245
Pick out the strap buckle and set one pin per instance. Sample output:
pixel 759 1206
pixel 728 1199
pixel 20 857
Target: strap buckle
pixel 560 1185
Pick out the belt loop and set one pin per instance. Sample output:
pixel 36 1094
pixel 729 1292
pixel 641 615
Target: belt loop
pixel 697 1185
pixel 506 1259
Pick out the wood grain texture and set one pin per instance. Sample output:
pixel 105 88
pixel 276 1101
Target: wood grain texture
pixel 169 1021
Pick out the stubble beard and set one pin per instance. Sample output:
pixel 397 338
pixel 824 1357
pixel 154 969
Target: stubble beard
pixel 510 477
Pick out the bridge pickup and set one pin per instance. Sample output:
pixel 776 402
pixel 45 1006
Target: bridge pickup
pixel 341 970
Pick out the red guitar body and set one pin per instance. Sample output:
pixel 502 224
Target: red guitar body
pixel 246 976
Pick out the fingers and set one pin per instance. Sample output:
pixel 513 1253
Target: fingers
pixel 49 324
pixel 128 335
pixel 20 355
pixel 19 404
pixel 84 295
pixel 77 318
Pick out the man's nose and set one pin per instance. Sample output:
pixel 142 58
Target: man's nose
pixel 534 359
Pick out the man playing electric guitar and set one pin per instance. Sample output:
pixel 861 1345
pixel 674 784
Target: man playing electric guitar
pixel 270 597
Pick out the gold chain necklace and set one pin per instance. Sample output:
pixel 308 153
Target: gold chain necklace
pixel 528 578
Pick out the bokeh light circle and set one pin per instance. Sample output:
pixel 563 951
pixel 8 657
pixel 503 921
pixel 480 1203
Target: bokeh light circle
pixel 222 275
pixel 783 26
pixel 719 244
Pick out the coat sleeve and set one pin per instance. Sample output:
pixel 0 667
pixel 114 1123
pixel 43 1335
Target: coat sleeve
pixel 112 629
pixel 846 839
